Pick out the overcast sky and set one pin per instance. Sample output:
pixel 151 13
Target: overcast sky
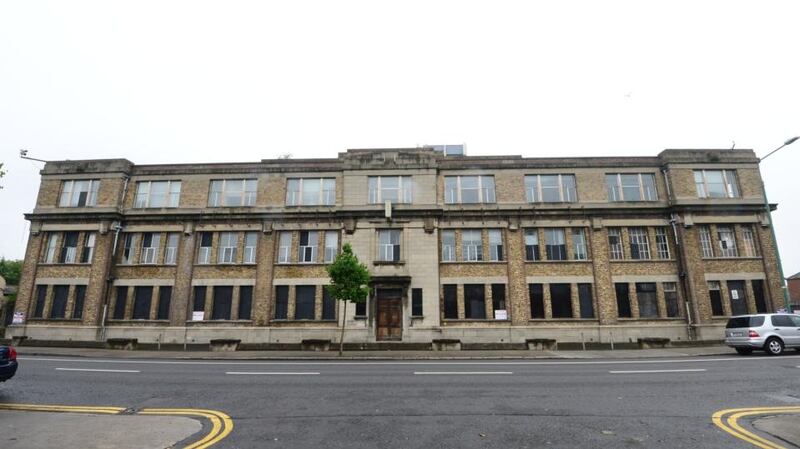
pixel 162 82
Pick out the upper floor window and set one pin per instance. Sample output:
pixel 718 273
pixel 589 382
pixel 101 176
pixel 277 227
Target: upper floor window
pixel 310 192
pixel 50 249
pixel 469 189
pixel 662 244
pixel 204 250
pixel 555 244
pixel 579 247
pixel 631 187
pixel 128 248
pixel 397 189
pixel 150 244
pixel 308 246
pixel 69 248
pixel 284 247
pixel 532 245
pixel 640 244
pixel 250 243
pixel 228 245
pixel 88 247
pixel 716 183
pixel 727 241
pixel 331 245
pixel 79 193
pixel 471 245
pixel 750 248
pixel 232 192
pixel 389 245
pixel 448 245
pixel 550 188
pixel 171 251
pixel 495 245
pixel 615 244
pixel 157 194
pixel 705 241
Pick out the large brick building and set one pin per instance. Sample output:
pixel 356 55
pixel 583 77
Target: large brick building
pixel 484 249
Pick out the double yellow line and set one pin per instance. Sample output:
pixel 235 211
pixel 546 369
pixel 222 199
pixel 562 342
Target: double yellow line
pixel 727 420
pixel 221 424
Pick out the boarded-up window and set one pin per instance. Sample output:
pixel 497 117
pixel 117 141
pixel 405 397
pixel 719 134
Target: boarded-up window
pixel 80 297
pixel 623 300
pixel 561 300
pixel 245 301
pixel 328 305
pixel 585 300
pixel 59 308
pixel 41 297
pixel 305 296
pixel 142 296
pixel 164 299
pixel 536 294
pixel 450 301
pixel 281 302
pixel 223 298
pixel 119 304
pixel 475 301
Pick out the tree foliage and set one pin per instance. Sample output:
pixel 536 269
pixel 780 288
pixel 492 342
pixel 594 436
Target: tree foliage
pixel 349 283
pixel 10 270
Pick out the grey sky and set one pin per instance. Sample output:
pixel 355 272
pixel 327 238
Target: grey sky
pixel 161 82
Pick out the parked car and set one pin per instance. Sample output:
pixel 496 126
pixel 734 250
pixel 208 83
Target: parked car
pixel 771 332
pixel 8 363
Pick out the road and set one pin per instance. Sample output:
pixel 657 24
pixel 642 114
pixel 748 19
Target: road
pixel 599 403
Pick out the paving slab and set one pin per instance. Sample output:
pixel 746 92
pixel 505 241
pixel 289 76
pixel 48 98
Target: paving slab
pixel 44 430
pixel 785 427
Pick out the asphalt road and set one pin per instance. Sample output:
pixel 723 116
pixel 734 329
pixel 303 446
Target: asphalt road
pixel 647 403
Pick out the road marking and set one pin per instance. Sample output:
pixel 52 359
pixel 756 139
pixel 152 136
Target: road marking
pixel 239 373
pixel 221 423
pixel 659 371
pixel 730 423
pixel 100 370
pixel 456 373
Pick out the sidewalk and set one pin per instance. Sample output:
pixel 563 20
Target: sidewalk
pixel 716 350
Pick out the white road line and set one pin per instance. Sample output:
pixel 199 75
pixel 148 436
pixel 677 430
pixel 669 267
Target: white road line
pixel 659 371
pixel 100 370
pixel 418 362
pixel 255 373
pixel 456 373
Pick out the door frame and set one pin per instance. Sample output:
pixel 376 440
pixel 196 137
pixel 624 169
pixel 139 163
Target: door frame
pixel 389 282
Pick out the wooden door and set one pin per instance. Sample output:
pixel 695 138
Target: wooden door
pixel 389 315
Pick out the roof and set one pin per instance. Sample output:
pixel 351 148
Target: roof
pixel 794 276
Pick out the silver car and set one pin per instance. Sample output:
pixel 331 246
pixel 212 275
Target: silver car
pixel 772 332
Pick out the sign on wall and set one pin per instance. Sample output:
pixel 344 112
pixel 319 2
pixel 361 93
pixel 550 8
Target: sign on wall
pixel 19 318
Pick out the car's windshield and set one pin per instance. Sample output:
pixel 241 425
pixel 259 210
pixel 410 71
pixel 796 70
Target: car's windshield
pixel 745 321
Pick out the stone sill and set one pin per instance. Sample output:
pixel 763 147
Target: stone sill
pixel 132 321
pixel 59 264
pixel 474 320
pixel 54 320
pixel 299 264
pixel 201 322
pixel 474 262
pixel 137 265
pixel 563 320
pixel 733 258
pixel 202 265
pixel 360 317
pixel 535 262
pixel 640 260
pixel 280 321
pixel 389 262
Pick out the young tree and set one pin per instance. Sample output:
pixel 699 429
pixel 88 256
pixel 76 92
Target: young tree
pixel 10 270
pixel 349 283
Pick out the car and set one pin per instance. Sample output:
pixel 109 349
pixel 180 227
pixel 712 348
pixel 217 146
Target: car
pixel 8 363
pixel 771 332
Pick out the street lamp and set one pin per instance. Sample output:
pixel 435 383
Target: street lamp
pixel 772 226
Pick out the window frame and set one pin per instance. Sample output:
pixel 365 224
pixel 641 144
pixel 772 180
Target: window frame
pixel 218 198
pixel 144 194
pixel 616 191
pixel 616 251
pixel 639 240
pixel 284 247
pixel 405 189
pixel 170 251
pixel 295 198
pixel 307 253
pixel 729 250
pixel 68 198
pixel 535 246
pixel 331 251
pixel 228 248
pixel 730 181
pixel 466 254
pixel 486 195
pixel 534 192
pixel 496 248
pixel 392 245
pixel 580 246
pixel 558 247
pixel 148 255
pixel 706 245
pixel 448 245
pixel 662 243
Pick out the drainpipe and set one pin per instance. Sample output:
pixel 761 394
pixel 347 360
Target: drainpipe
pixel 116 227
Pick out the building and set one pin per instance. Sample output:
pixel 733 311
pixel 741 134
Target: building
pixel 793 284
pixel 484 249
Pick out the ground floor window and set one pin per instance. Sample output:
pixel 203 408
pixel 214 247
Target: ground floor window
pixel 499 301
pixel 416 302
pixel 142 297
pixel 647 300
pixel 305 301
pixel 623 300
pixel 222 302
pixel 585 300
pixel 561 300
pixel 281 302
pixel 80 297
pixel 59 307
pixel 121 301
pixel 738 298
pixel 328 305
pixel 450 292
pixel 715 294
pixel 474 301
pixel 536 294
pixel 671 299
pixel 164 299
pixel 758 296
pixel 245 302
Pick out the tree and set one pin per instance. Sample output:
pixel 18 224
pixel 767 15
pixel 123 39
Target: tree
pixel 10 270
pixel 349 283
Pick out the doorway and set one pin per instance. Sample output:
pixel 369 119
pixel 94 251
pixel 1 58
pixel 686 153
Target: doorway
pixel 389 308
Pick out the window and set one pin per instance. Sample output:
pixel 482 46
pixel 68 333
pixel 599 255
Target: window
pixel 631 187
pixel 199 304
pixel 585 300
pixel 448 245
pixel 308 247
pixel 331 245
pixel 474 301
pixel 450 301
pixel 119 304
pixel 204 250
pixel 671 299
pixel 305 299
pixel 389 245
pixel 561 300
pixel 245 302
pixel 727 241
pixel 250 242
pixel 310 191
pixel 532 245
pixel 328 306
pixel 471 245
pixel 536 296
pixel 164 298
pixel 469 189
pixel 640 246
pixel 128 249
pixel 361 309
pixel 579 249
pixel 499 300
pixel 69 248
pixel 171 251
pixel 232 193
pixel 416 302
pixel 738 298
pixel 281 302
pixel 228 243
pixel 646 298
pixel 58 309
pixel 142 297
pixel 88 247
pixel 716 183
pixel 550 188
pixel 758 296
pixel 555 244
pixel 284 247
pixel 80 297
pixel 50 251
pixel 662 245
pixel 79 193
pixel 748 236
pixel 615 244
pixel 41 297
pixel 495 245
pixel 222 301
pixel 623 300
pixel 157 194
pixel 397 189
pixel 782 321
pixel 714 293
pixel 150 244
pixel 705 241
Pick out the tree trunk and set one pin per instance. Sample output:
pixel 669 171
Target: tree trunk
pixel 341 335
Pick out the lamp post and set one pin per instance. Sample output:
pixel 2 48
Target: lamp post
pixel 772 226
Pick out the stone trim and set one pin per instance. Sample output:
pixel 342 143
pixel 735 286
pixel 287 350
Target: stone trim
pixel 223 282
pixel 154 228
pixel 62 281
pixel 644 278
pixel 48 227
pixel 634 222
pixel 732 219
pixel 143 282
pixel 735 276
pixel 475 280
pixel 300 281
pixel 559 279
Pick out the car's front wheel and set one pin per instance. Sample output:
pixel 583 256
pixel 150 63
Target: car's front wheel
pixel 744 351
pixel 774 346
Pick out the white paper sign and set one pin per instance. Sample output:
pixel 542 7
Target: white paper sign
pixel 19 318
pixel 735 294
pixel 501 314
pixel 198 316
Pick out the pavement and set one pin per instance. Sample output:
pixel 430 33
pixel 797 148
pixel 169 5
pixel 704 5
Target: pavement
pixel 783 427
